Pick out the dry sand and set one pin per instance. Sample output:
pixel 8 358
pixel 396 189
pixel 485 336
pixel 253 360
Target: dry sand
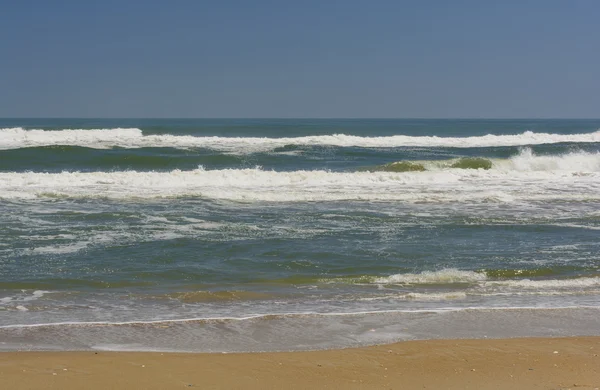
pixel 533 363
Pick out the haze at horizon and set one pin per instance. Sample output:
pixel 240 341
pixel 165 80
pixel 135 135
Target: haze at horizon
pixel 531 59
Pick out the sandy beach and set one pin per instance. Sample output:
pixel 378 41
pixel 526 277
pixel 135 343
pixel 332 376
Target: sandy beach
pixel 531 363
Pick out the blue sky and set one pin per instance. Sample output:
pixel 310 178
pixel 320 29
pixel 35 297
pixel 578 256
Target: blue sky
pixel 180 58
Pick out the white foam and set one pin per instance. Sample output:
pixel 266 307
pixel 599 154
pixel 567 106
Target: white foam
pixel 482 284
pixel 123 348
pixel 24 297
pixel 155 229
pixel 437 296
pixel 576 226
pixel 250 185
pixel 58 249
pixel 575 283
pixel 526 160
pixel 445 276
pixel 13 138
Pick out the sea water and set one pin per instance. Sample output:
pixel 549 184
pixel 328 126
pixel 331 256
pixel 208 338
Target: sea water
pixel 285 234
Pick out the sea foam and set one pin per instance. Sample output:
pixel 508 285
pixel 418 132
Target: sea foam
pixel 578 161
pixel 525 161
pixel 14 138
pixel 482 284
pixel 445 276
pixel 261 185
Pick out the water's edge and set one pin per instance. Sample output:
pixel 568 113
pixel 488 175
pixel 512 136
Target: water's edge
pixel 303 332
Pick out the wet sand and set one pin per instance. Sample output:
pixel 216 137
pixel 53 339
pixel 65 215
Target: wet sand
pixel 530 363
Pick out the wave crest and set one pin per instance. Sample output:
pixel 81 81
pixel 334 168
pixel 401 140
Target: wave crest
pixel 14 138
pixel 525 161
pixel 247 185
pixel 445 276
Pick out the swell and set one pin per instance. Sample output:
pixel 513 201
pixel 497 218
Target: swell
pixel 14 138
pixel 60 157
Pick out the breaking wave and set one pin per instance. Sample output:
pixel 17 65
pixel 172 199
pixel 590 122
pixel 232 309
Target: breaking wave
pixel 260 185
pixel 525 161
pixel 481 279
pixel 14 138
pixel 445 276
pixel 526 176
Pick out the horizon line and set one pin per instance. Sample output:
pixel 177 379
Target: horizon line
pixel 302 118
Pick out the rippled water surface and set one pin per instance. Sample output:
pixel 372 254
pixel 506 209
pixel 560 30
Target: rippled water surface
pixel 172 234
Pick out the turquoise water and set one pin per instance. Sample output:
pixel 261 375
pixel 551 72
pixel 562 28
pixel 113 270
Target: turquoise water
pixel 221 235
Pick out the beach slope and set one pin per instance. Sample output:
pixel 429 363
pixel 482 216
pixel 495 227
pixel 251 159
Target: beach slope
pixel 529 363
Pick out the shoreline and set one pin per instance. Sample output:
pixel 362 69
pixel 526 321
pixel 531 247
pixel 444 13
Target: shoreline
pixel 303 332
pixel 508 363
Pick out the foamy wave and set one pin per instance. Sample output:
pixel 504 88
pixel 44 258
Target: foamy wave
pixel 577 283
pixel 481 280
pixel 437 296
pixel 258 185
pixel 526 160
pixel 445 276
pixel 15 138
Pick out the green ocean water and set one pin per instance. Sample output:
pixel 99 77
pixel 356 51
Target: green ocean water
pixel 261 229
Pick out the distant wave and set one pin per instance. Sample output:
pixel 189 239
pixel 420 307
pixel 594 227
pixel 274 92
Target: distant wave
pixel 15 138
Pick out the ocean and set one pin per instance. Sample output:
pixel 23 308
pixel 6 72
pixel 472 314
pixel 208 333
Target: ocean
pixel 221 235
